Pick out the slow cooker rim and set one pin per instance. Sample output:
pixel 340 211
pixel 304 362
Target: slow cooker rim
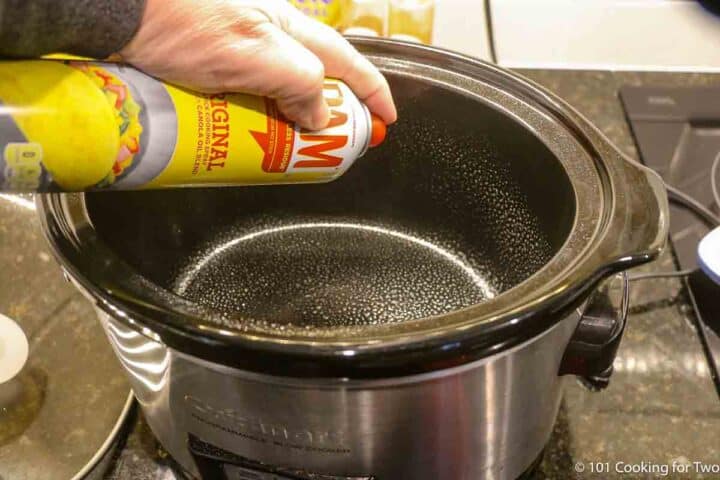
pixel 503 331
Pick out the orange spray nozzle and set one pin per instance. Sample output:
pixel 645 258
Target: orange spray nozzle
pixel 378 131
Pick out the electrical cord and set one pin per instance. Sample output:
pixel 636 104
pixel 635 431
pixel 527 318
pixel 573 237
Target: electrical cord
pixel 684 200
pixel 681 198
pixel 650 275
pixel 713 179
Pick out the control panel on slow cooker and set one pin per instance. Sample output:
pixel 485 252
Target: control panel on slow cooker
pixel 214 463
pixel 233 472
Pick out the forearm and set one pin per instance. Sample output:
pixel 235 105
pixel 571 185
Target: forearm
pixel 93 28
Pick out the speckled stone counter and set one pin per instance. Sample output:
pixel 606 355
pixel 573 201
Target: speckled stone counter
pixel 661 405
pixel 58 412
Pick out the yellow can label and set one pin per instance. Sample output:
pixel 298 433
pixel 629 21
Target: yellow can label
pixel 81 125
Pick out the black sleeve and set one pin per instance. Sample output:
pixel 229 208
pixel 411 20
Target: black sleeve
pixel 91 28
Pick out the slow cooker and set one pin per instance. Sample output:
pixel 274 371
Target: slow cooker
pixel 414 319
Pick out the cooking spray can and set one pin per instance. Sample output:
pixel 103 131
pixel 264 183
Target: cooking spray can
pixel 77 126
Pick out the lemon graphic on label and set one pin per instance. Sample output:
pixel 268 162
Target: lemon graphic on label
pixel 65 113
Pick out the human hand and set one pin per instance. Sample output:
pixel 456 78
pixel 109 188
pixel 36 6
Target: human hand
pixel 263 47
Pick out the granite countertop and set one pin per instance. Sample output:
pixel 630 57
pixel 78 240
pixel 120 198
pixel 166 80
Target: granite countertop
pixel 660 407
pixel 661 404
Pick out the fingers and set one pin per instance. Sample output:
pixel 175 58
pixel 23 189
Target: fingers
pixel 310 112
pixel 343 61
pixel 283 69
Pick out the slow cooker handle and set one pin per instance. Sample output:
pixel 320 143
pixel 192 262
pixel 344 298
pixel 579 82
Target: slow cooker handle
pixel 591 351
pixel 638 226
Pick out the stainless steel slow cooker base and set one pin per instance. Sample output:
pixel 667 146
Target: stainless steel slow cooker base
pixel 487 419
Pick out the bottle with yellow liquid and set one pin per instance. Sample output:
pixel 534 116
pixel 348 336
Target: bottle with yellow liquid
pixel 412 20
pixel 366 17
pixel 77 126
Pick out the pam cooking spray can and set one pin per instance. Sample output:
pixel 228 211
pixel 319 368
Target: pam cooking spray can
pixel 76 126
